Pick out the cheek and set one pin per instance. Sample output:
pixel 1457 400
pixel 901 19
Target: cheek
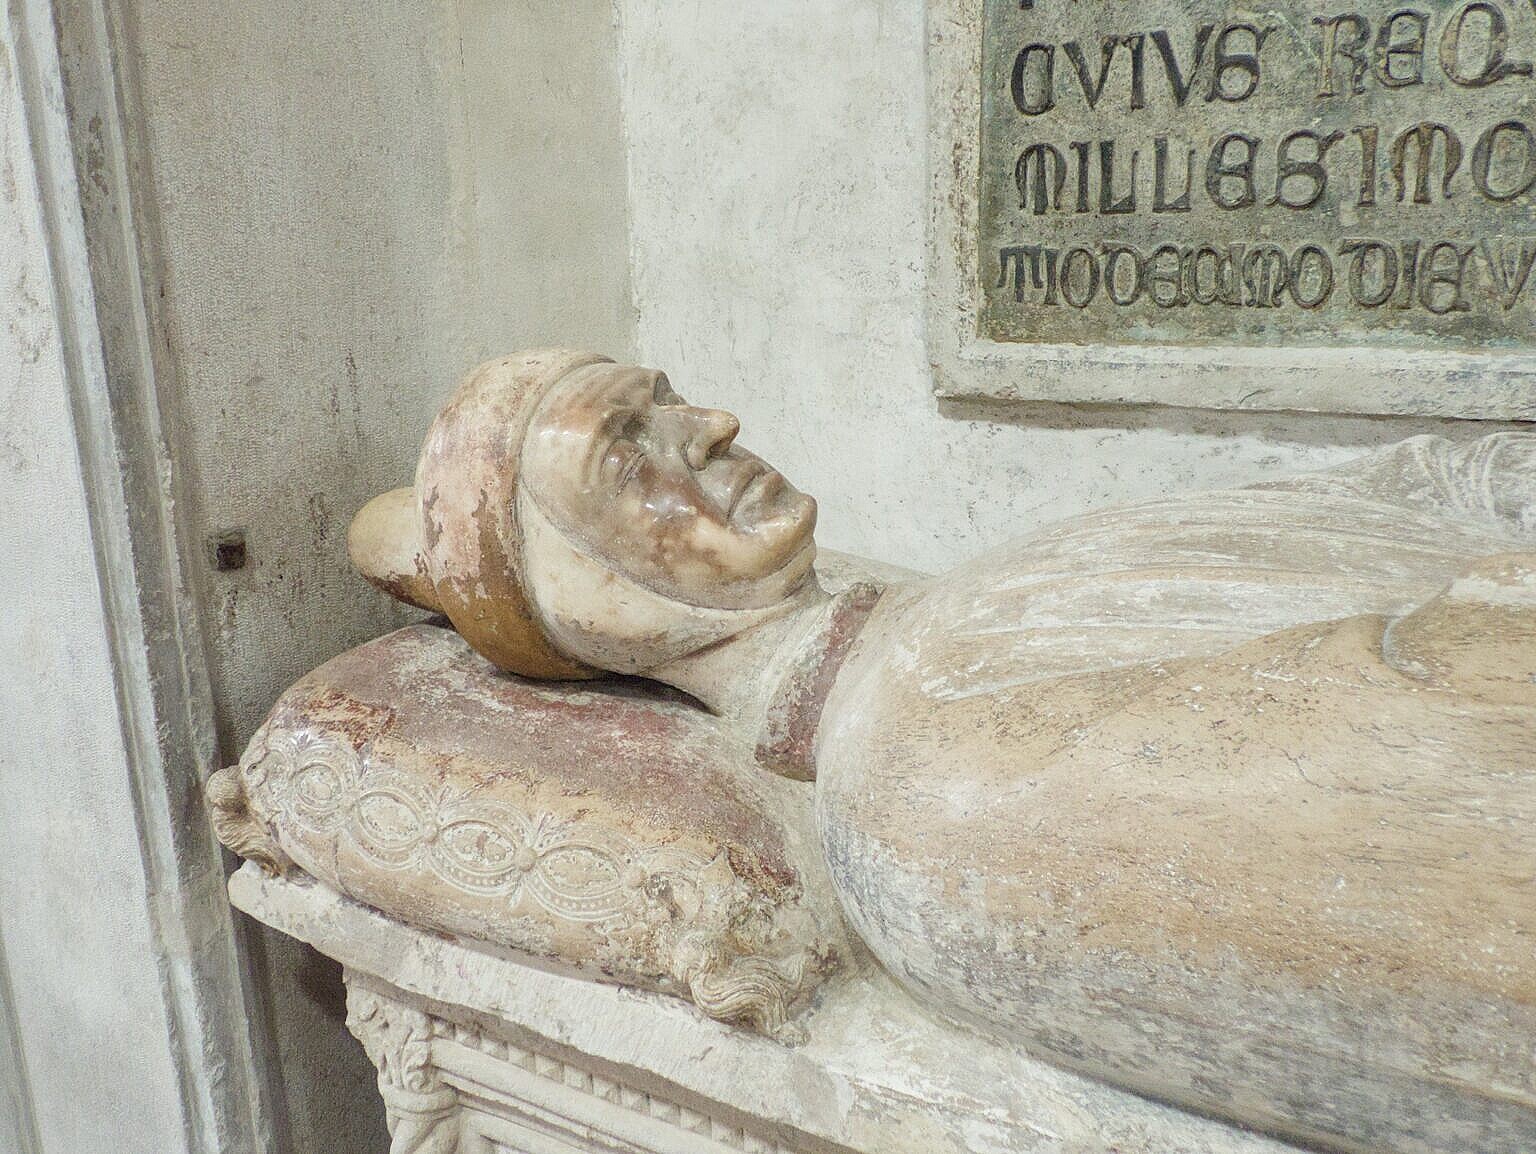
pixel 676 535
pixel 713 554
pixel 660 518
pixel 663 527
pixel 672 503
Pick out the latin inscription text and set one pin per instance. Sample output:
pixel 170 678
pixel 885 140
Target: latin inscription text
pixel 1329 171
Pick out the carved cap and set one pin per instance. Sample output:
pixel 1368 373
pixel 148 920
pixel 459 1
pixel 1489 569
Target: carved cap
pixel 466 486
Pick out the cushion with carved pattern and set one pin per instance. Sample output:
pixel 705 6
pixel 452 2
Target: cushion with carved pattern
pixel 614 828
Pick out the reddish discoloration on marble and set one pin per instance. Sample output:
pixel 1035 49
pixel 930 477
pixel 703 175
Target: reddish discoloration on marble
pixel 1288 881
pixel 707 857
pixel 787 743
pixel 660 491
pixel 1213 796
pixel 632 746
pixel 466 486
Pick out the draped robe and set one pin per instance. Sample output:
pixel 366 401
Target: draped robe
pixel 1229 798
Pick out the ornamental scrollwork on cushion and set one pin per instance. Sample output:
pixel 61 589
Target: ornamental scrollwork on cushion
pixel 399 822
pixel 687 920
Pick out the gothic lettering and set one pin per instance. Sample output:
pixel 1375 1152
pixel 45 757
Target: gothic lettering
pixel 1318 171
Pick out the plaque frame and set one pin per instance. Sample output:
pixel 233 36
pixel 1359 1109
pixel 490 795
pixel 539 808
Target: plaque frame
pixel 1371 380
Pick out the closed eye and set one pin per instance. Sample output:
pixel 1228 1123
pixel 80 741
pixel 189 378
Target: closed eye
pixel 630 468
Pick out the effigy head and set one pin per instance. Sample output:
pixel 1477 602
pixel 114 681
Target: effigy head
pixel 571 514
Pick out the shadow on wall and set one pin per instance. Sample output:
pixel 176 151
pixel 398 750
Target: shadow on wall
pixel 1311 429
pixel 322 1107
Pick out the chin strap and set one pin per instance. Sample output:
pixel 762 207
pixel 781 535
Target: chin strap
pixel 787 743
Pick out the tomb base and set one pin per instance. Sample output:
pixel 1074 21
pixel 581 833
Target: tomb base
pixel 480 1052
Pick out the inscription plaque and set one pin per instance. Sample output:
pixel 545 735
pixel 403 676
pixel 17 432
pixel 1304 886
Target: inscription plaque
pixel 1308 172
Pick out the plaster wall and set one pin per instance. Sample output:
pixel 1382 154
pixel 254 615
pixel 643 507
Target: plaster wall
pixel 73 1008
pixel 349 205
pixel 779 195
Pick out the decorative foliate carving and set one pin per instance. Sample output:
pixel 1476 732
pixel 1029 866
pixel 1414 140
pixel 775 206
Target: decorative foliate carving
pixel 236 827
pixel 420 1109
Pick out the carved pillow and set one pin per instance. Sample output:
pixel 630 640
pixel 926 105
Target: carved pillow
pixel 613 828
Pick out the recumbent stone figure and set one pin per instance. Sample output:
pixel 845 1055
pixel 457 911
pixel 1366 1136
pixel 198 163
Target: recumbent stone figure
pixel 1228 798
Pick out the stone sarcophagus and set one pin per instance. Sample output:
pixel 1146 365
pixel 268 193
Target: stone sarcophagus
pixel 1219 805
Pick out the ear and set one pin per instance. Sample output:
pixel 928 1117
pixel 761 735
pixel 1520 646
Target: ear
pixel 384 545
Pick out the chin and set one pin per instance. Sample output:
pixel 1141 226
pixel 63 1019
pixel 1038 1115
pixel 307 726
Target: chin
pixel 794 563
pixel 786 532
pixel 800 511
pixel 774 553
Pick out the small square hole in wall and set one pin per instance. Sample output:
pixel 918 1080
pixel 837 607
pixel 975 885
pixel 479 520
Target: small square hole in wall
pixel 226 550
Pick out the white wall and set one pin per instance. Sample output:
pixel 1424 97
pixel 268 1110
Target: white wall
pixel 778 196
pixel 89 1027
pixel 352 202
pixel 356 201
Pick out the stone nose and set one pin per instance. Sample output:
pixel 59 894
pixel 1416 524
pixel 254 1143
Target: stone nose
pixel 709 433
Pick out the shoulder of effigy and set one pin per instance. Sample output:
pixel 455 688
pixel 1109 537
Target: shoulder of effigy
pixel 1188 527
pixel 978 647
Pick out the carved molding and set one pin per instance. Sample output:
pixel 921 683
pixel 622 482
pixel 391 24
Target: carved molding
pixel 421 1110
pixel 610 1092
pixel 400 821
pixel 87 369
pixel 1216 374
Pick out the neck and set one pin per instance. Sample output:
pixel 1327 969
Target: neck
pixel 771 681
pixel 737 677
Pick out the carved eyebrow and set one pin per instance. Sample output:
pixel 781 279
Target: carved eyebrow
pixel 599 443
pixel 620 412
pixel 607 434
pixel 622 407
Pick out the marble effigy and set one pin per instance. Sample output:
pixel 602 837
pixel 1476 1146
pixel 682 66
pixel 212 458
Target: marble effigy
pixel 1224 798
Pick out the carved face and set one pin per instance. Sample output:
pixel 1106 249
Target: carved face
pixel 659 489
